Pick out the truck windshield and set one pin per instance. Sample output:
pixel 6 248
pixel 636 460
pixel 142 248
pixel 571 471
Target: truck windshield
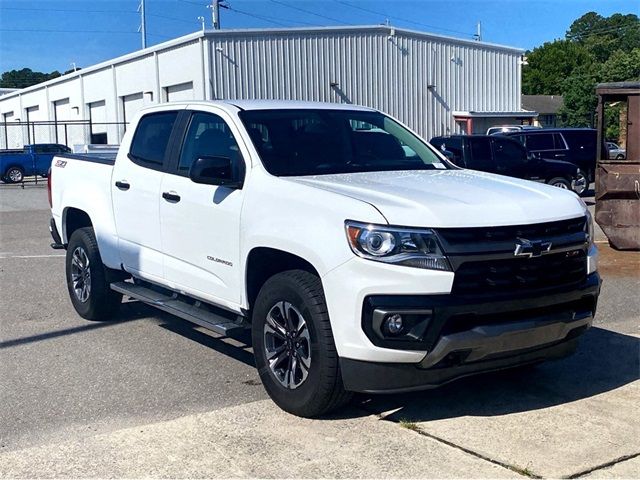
pixel 301 142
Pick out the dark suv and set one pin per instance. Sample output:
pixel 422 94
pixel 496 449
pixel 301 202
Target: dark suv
pixel 575 145
pixel 504 156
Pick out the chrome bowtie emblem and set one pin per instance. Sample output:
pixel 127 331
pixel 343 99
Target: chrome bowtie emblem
pixel 531 248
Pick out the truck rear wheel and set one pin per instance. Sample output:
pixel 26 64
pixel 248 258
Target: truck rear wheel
pixel 293 345
pixel 14 175
pixel 88 278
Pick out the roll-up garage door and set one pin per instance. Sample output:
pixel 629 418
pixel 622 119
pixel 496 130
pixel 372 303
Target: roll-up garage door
pixel 62 115
pixel 131 104
pixel 182 91
pixel 98 118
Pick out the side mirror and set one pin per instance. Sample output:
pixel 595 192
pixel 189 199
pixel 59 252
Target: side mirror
pixel 215 171
pixel 534 156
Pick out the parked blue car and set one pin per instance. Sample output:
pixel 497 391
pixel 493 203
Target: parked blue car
pixel 31 160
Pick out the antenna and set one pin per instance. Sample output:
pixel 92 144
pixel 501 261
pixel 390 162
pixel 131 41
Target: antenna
pixel 201 19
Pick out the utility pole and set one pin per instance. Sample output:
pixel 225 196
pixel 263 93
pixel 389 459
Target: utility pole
pixel 143 24
pixel 215 7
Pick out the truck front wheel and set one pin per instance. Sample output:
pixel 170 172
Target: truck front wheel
pixel 293 345
pixel 88 279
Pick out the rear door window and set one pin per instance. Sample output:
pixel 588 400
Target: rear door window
pixel 480 155
pixel 559 142
pixel 540 141
pixel 150 141
pixel 508 153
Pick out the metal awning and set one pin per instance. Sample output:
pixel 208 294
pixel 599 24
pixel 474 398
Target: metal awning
pixel 518 114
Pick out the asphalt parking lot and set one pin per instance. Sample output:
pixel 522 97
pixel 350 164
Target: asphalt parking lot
pixel 150 395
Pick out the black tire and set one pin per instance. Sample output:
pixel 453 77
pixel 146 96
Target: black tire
pixel 560 182
pixel 322 390
pixel 14 175
pixel 101 303
pixel 582 175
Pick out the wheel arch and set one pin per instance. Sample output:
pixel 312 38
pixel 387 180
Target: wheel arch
pixel 265 262
pixel 73 219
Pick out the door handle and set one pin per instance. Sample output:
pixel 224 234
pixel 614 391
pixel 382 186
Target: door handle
pixel 171 197
pixel 123 185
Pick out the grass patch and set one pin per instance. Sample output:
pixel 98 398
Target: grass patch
pixel 409 425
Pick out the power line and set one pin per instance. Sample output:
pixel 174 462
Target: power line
pixel 400 19
pixel 309 12
pixel 67 10
pixel 39 30
pixel 601 31
pixel 170 18
pixel 260 17
pixel 193 3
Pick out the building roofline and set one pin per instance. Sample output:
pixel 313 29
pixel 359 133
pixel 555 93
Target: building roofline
pixel 108 63
pixel 389 30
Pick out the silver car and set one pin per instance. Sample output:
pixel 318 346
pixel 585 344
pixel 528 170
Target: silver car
pixel 615 152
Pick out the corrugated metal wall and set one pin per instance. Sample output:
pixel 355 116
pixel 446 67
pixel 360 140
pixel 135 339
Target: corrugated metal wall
pixel 420 80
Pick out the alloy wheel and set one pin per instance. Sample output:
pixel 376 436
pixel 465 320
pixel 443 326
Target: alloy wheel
pixel 15 175
pixel 287 345
pixel 81 274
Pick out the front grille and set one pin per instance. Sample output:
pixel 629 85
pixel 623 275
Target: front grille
pixel 520 274
pixel 455 238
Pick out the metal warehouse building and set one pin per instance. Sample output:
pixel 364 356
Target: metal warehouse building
pixel 435 84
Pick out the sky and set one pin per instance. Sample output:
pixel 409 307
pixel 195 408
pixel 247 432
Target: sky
pixel 49 35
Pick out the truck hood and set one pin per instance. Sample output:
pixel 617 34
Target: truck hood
pixel 452 198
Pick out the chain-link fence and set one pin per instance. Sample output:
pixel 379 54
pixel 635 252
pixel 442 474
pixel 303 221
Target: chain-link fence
pixel 15 135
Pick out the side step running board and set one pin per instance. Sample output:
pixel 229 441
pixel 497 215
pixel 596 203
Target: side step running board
pixel 174 305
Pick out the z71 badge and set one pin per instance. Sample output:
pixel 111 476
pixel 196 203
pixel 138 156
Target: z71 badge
pixel 61 163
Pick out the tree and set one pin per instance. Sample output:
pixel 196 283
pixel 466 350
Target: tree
pixel 595 49
pixel 25 78
pixel 550 64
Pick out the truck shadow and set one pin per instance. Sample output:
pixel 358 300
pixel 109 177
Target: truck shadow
pixel 604 361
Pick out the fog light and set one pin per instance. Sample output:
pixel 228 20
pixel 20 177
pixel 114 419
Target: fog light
pixel 393 324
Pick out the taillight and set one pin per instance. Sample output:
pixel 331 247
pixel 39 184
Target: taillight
pixel 49 187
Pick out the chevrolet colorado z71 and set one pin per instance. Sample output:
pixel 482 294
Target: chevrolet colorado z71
pixel 361 259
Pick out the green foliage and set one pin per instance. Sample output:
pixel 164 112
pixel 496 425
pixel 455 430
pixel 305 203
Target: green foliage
pixel 25 78
pixel 550 64
pixel 595 49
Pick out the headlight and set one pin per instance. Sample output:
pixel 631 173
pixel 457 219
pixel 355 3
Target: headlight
pixel 398 246
pixel 589 228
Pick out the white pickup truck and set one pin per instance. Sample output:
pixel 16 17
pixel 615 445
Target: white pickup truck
pixel 359 257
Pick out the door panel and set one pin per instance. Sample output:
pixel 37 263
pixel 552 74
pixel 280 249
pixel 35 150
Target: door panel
pixel 136 196
pixel 200 232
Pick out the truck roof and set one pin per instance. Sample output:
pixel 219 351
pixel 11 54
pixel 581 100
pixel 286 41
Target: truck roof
pixel 269 105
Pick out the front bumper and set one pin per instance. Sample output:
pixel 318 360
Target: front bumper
pixel 466 337
pixel 372 377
